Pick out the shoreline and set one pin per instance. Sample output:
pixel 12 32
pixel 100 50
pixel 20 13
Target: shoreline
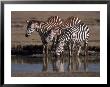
pixel 56 74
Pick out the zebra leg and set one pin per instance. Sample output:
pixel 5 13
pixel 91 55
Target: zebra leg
pixel 54 64
pixel 46 57
pixel 44 63
pixel 45 60
pixel 78 62
pixel 54 59
pixel 79 49
pixel 75 57
pixel 53 55
pixel 59 64
pixel 70 57
pixel 61 68
pixel 85 56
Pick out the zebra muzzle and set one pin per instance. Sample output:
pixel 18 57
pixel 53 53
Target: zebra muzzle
pixel 26 35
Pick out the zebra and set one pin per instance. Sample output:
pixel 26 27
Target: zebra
pixel 69 22
pixel 42 27
pixel 72 36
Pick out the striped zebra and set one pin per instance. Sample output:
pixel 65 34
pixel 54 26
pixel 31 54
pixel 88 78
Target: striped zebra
pixel 42 28
pixel 69 22
pixel 73 36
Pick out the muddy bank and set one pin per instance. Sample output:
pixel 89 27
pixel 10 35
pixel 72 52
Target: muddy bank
pixel 54 74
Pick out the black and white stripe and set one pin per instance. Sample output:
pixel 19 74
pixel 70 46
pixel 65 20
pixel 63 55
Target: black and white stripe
pixel 42 27
pixel 72 37
pixel 69 22
pixel 77 34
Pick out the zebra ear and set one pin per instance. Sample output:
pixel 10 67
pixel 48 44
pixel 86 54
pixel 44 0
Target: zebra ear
pixel 27 21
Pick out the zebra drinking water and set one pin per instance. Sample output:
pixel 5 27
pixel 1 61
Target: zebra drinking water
pixel 69 22
pixel 72 36
pixel 42 28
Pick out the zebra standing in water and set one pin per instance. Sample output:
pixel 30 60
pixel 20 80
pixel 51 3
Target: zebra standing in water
pixel 72 36
pixel 69 22
pixel 81 35
pixel 42 28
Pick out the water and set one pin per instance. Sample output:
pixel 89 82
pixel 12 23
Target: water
pixel 33 64
pixel 38 67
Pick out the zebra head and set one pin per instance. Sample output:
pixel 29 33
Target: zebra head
pixel 52 33
pixel 59 48
pixel 32 25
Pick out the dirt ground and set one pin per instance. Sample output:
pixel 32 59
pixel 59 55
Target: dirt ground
pixel 54 74
pixel 18 25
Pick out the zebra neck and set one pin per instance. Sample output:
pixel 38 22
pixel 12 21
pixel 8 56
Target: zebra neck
pixel 42 35
pixel 43 27
pixel 40 32
pixel 40 28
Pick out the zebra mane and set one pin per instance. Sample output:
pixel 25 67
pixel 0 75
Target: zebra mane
pixel 51 18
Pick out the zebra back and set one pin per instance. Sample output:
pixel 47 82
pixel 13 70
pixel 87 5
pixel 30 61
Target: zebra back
pixel 51 22
pixel 76 35
pixel 78 32
pixel 69 22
